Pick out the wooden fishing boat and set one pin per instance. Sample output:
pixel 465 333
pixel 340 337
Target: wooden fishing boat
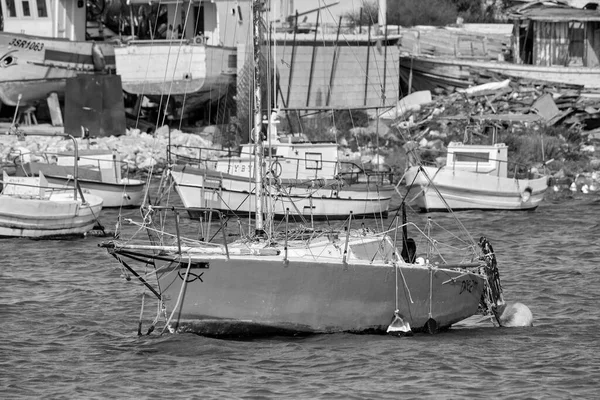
pixel 341 279
pixel 41 47
pixel 475 177
pixel 555 44
pixel 99 174
pixel 305 179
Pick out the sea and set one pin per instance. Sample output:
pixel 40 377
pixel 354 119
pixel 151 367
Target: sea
pixel 70 322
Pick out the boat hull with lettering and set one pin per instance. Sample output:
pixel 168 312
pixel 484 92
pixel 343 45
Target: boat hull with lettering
pixel 243 291
pixel 34 66
pixel 310 198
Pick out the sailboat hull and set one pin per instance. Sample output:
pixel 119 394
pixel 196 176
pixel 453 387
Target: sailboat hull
pixel 319 199
pixel 252 296
pixel 465 190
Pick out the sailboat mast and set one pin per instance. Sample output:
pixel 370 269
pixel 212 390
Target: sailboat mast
pixel 258 145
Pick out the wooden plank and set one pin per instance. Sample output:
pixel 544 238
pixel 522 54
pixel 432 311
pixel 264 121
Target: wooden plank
pixel 54 108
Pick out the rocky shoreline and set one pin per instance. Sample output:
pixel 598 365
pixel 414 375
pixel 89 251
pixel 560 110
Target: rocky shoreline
pixel 140 151
pixel 534 137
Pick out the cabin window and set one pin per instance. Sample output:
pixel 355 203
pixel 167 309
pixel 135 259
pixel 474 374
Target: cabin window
pixel 199 15
pixel 26 8
pixel 471 157
pixel 576 43
pixel 42 11
pixel 11 7
pixel 313 161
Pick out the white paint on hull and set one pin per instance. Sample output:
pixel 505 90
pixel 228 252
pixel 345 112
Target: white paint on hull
pixel 43 65
pixel 60 215
pixel 129 193
pixel 465 190
pixel 174 68
pixel 231 194
pixel 314 292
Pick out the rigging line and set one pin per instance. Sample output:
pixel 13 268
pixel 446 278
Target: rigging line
pixel 403 197
pixel 223 97
pixel 373 24
pixel 354 53
pixel 158 122
pixel 152 40
pixel 185 92
pixel 177 58
pixel 449 232
pixel 447 205
pixel 181 291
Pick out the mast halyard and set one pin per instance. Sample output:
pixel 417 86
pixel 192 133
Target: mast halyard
pixel 257 130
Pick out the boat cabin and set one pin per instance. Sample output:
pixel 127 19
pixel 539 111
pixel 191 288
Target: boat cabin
pixel 483 159
pixel 48 18
pixel 24 186
pixel 556 36
pixel 210 22
pixel 107 163
pixel 303 160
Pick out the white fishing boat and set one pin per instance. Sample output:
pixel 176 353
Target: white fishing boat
pixel 43 45
pixel 475 177
pixel 305 178
pixel 99 172
pixel 342 279
pixel 30 208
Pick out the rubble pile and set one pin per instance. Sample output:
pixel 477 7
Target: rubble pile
pixel 139 150
pixel 522 108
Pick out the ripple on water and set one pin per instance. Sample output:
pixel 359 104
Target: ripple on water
pixel 70 325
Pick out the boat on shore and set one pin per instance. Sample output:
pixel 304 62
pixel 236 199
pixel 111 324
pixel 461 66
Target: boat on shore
pixel 99 174
pixel 187 61
pixel 475 177
pixel 555 44
pixel 30 208
pixel 41 47
pixel 301 280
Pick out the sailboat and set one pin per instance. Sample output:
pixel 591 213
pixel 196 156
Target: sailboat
pixel 305 178
pixel 302 280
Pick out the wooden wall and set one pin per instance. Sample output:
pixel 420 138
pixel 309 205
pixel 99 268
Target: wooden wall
pixel 568 43
pixel 356 75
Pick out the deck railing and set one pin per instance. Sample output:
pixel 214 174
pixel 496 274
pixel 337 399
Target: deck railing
pixel 349 171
